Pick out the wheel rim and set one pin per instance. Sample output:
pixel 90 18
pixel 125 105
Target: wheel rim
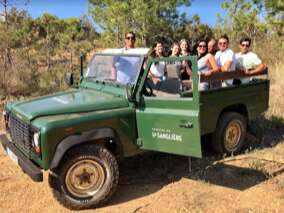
pixel 85 178
pixel 233 135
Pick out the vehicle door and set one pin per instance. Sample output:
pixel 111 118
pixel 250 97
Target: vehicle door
pixel 168 117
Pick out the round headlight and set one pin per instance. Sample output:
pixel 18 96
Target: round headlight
pixel 36 139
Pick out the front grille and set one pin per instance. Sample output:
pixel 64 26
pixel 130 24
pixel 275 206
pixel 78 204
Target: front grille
pixel 21 133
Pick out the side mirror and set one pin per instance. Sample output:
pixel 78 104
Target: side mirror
pixel 69 79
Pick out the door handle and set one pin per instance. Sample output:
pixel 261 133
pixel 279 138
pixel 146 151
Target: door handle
pixel 186 125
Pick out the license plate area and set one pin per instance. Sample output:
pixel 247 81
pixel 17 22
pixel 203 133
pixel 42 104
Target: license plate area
pixel 11 155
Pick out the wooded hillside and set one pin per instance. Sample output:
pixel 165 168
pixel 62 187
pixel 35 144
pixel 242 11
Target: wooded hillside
pixel 35 53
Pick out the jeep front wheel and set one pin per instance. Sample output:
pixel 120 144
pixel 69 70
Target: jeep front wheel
pixel 230 133
pixel 86 177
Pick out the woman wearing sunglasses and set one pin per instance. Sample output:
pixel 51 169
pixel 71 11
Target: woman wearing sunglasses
pixel 206 63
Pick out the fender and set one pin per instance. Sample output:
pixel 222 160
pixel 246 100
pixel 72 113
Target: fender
pixel 83 138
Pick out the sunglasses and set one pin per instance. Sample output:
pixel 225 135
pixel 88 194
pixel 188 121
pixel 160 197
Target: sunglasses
pixel 202 46
pixel 245 45
pixel 130 38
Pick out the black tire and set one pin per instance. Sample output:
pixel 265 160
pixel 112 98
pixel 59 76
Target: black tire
pixel 86 177
pixel 230 133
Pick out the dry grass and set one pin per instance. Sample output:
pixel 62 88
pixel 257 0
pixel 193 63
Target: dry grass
pixel 276 101
pixel 271 54
pixel 27 82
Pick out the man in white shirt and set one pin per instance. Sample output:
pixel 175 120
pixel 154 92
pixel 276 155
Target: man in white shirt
pixel 124 67
pixel 248 61
pixel 225 58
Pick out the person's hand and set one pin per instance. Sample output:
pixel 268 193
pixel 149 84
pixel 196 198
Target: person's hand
pixel 247 72
pixel 208 73
pixel 156 80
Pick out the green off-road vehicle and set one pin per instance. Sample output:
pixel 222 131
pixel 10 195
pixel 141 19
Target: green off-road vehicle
pixel 115 111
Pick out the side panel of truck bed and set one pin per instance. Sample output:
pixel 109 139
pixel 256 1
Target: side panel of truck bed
pixel 249 99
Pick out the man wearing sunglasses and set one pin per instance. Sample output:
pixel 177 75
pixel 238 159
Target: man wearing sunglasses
pixel 248 61
pixel 129 40
pixel 124 66
pixel 225 58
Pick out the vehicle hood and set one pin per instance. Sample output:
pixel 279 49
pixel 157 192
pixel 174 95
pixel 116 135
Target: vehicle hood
pixel 72 101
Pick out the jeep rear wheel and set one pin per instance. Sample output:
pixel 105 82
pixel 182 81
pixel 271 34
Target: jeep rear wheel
pixel 230 133
pixel 86 177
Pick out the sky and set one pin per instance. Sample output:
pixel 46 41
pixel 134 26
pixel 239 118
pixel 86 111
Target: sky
pixel 206 9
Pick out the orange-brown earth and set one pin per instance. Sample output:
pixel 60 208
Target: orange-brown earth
pixel 155 182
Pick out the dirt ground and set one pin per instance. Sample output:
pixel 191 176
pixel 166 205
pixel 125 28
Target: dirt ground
pixel 155 182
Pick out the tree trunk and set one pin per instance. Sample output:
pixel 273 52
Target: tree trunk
pixel 71 60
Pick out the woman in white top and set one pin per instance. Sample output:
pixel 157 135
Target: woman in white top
pixel 158 69
pixel 206 63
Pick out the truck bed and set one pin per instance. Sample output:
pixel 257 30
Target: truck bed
pixel 248 99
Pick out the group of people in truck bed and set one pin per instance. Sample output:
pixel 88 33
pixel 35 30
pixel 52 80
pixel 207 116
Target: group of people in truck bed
pixel 212 56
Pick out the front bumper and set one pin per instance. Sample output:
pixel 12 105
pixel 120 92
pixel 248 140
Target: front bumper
pixel 26 164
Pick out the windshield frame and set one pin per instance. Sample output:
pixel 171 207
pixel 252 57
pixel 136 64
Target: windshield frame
pixel 195 78
pixel 140 67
